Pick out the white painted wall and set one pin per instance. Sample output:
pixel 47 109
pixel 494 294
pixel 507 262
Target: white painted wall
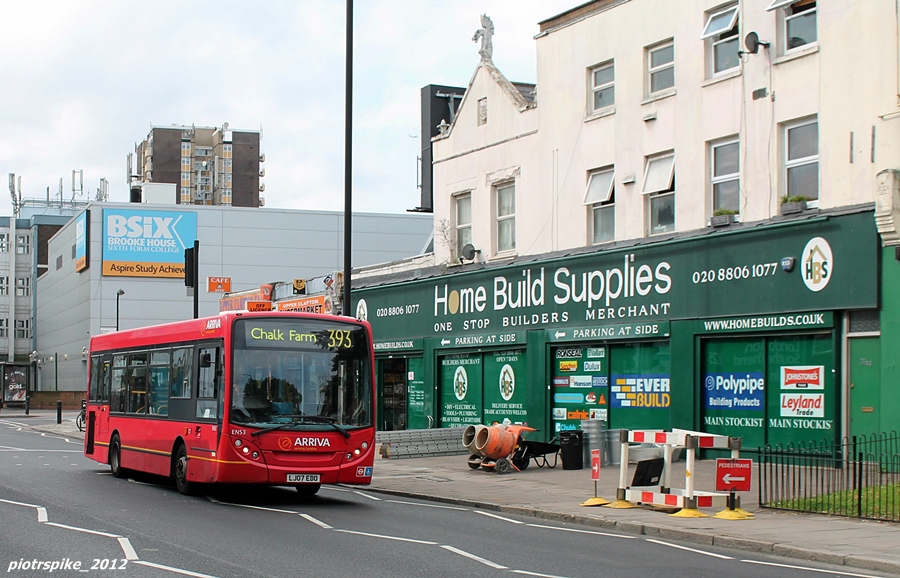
pixel 848 80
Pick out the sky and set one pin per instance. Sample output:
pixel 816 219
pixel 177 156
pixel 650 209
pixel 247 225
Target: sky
pixel 82 82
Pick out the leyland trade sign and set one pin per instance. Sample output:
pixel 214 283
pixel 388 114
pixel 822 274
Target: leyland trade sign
pixel 146 243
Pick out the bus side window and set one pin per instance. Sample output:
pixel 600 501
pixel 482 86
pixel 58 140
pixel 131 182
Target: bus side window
pixel 105 378
pixel 182 359
pixel 209 381
pixel 94 394
pixel 160 371
pixel 119 384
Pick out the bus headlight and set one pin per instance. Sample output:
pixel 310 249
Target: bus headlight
pixel 365 445
pixel 238 443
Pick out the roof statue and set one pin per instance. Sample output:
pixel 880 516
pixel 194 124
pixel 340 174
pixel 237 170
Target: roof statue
pixel 485 33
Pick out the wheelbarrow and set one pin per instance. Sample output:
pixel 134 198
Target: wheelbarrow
pixel 537 451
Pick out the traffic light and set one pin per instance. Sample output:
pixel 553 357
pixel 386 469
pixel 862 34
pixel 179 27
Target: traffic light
pixel 191 255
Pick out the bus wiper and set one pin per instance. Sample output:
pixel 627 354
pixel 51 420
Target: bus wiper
pixel 272 428
pixel 316 418
pixel 330 421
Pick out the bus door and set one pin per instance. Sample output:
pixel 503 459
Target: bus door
pixel 203 441
pixel 103 379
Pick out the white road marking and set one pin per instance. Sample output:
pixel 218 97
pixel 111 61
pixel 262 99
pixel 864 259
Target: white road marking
pixel 584 531
pixel 318 523
pixel 256 507
pixel 172 569
pixel 474 557
pixel 84 530
pixel 427 505
pixel 495 516
pixel 841 572
pixel 527 573
pixel 42 514
pixel 723 557
pixel 364 495
pixel 19 503
pixel 12 449
pixel 130 554
pixel 396 538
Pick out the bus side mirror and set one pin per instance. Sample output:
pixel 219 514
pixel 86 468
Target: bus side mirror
pixel 205 360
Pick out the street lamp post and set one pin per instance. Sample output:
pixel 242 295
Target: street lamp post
pixel 119 293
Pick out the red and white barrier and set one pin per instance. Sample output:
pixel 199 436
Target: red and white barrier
pixel 688 499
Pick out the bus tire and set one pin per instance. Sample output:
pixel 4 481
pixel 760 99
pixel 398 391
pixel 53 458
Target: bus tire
pixel 308 490
pixel 179 472
pixel 115 457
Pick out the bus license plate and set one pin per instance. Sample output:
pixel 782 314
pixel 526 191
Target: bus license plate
pixel 303 478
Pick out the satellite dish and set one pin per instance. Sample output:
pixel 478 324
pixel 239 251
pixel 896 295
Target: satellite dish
pixel 469 251
pixel 752 42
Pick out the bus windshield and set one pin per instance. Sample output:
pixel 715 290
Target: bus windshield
pixel 306 373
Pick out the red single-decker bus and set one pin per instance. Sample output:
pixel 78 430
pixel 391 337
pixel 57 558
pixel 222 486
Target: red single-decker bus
pixel 273 398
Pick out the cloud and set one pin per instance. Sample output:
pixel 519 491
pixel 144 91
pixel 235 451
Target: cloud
pixel 84 81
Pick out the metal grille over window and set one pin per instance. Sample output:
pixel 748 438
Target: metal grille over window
pixel 866 321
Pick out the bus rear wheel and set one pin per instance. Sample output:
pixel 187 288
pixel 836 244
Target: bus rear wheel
pixel 179 472
pixel 115 457
pixel 308 490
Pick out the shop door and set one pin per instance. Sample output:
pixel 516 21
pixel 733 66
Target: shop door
pixel 639 396
pixel 865 377
pixel 733 389
pixel 393 394
pixel 505 391
pixel 801 400
pixel 580 378
pixel 462 396
pixel 419 399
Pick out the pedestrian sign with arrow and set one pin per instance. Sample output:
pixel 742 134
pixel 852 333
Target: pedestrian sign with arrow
pixel 733 475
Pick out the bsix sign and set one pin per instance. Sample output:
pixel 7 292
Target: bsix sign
pixel 141 243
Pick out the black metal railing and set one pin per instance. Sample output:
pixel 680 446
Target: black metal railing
pixel 857 477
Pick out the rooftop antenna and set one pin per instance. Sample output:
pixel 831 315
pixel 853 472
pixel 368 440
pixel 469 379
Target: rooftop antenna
pixel 77 183
pixel 16 202
pixel 103 191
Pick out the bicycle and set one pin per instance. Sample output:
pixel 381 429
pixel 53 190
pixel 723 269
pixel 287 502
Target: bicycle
pixel 79 420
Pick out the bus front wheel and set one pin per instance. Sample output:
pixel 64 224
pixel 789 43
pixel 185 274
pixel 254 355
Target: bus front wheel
pixel 115 457
pixel 180 472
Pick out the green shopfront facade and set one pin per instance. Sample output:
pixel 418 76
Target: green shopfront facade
pixel 744 333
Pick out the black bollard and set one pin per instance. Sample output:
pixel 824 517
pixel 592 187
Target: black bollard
pixel 27 402
pixel 59 411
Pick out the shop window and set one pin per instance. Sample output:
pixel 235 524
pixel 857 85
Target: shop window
pixel 603 90
pixel 722 39
pixel 506 217
pixel 801 163
pixel 659 188
pixel 725 176
pixel 798 22
pixel 660 67
pixel 599 198
pixel 463 221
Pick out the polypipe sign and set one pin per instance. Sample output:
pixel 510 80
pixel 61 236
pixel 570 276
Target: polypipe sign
pixel 733 475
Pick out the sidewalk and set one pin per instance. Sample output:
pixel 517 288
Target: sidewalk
pixel 556 494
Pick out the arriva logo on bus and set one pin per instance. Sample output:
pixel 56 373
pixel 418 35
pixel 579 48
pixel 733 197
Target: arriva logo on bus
pixel 286 443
